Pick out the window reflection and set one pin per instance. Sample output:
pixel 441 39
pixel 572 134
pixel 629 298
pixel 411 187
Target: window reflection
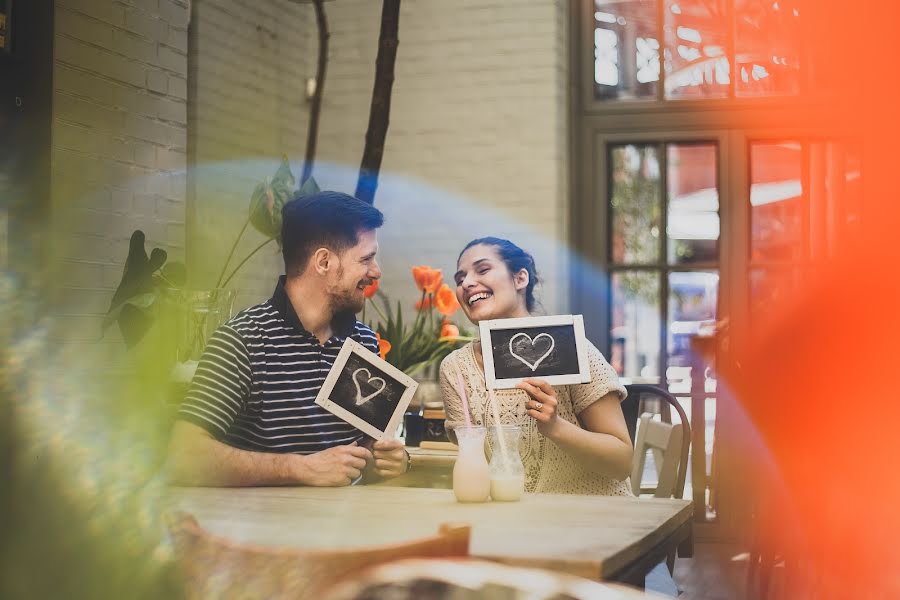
pixel 776 201
pixel 692 223
pixel 708 48
pixel 626 51
pixel 636 203
pixel 635 332
pixel 693 301
pixel 767 36
pixel 696 36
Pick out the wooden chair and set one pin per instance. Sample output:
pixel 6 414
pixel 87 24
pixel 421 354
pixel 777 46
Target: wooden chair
pixel 215 567
pixel 664 440
pixel 670 447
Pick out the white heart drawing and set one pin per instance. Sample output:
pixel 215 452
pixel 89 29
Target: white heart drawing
pixel 360 399
pixel 533 366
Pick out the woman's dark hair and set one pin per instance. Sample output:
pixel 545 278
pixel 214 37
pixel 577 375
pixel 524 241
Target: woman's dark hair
pixel 515 258
pixel 329 219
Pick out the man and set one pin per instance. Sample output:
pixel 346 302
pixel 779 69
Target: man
pixel 249 417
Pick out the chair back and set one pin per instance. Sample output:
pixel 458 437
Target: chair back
pixel 670 444
pixel 664 441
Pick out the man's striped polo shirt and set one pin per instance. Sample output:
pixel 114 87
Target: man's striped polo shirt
pixel 258 379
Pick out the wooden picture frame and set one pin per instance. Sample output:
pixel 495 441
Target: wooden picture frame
pixel 508 359
pixel 376 408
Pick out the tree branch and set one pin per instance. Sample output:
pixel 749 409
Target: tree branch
pixel 381 101
pixel 315 107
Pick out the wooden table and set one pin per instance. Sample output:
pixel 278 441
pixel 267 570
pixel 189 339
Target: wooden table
pixel 597 537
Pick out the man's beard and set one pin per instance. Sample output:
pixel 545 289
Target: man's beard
pixel 346 301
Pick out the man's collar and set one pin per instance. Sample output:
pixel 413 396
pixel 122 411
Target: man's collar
pixel 342 324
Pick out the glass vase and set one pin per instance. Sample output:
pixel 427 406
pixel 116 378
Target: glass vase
pixel 188 319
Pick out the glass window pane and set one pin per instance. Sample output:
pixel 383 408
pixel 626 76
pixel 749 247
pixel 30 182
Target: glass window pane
pixel 767 46
pixel 834 195
pixel 693 216
pixel 852 201
pixel 635 323
pixel 693 297
pixel 696 49
pixel 771 285
pixel 635 201
pixel 626 51
pixel 776 201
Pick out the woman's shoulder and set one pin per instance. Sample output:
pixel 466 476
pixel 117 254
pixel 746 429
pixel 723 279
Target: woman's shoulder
pixel 457 356
pixel 593 353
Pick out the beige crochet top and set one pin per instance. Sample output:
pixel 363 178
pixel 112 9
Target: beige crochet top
pixel 547 468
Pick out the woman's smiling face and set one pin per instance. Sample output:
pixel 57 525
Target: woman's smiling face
pixel 486 289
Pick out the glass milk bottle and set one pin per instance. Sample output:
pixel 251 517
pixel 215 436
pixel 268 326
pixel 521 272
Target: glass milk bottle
pixel 471 475
pixel 507 472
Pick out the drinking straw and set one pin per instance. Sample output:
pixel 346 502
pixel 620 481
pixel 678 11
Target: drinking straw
pixel 500 439
pixel 461 389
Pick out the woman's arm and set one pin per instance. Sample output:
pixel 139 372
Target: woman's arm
pixel 601 444
pixel 450 394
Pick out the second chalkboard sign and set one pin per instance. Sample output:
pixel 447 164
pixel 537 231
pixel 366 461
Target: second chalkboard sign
pixel 549 348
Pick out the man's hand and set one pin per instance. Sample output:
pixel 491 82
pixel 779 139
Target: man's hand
pixel 390 458
pixel 336 466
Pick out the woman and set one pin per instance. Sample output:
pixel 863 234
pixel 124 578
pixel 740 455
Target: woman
pixel 573 437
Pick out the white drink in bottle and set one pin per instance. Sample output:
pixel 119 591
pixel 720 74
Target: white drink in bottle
pixel 507 472
pixel 471 474
pixel 507 489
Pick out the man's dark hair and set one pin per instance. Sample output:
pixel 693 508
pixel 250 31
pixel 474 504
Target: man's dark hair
pixel 325 219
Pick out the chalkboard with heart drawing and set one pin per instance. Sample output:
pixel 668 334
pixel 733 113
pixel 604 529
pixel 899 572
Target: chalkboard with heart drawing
pixel 366 391
pixel 549 348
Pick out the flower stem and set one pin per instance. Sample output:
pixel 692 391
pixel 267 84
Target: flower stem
pixel 231 253
pixel 237 268
pixel 374 304
pixel 419 312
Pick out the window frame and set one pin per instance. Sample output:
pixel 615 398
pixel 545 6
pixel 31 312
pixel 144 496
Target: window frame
pixel 590 104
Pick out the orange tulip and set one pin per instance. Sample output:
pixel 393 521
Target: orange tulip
pixel 423 304
pixel 449 331
pixel 370 289
pixel 427 279
pixel 384 346
pixel 445 301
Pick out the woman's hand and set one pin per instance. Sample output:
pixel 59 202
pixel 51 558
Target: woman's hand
pixel 541 405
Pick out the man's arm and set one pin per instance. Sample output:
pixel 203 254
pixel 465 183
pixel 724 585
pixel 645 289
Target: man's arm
pixel 196 458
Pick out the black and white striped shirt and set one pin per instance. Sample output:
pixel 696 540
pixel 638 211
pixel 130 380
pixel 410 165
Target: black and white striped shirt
pixel 259 376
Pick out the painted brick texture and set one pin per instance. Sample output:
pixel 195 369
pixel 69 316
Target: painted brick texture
pixel 248 108
pixel 477 143
pixel 119 142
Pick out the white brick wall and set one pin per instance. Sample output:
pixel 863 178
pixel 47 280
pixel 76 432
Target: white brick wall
pixel 477 143
pixel 252 61
pixel 119 138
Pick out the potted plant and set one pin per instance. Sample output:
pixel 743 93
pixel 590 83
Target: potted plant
pixel 152 295
pixel 417 347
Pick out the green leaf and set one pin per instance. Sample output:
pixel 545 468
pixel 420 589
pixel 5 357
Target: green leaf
pixel 283 176
pixel 141 301
pixel 262 210
pixel 308 188
pixel 174 274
